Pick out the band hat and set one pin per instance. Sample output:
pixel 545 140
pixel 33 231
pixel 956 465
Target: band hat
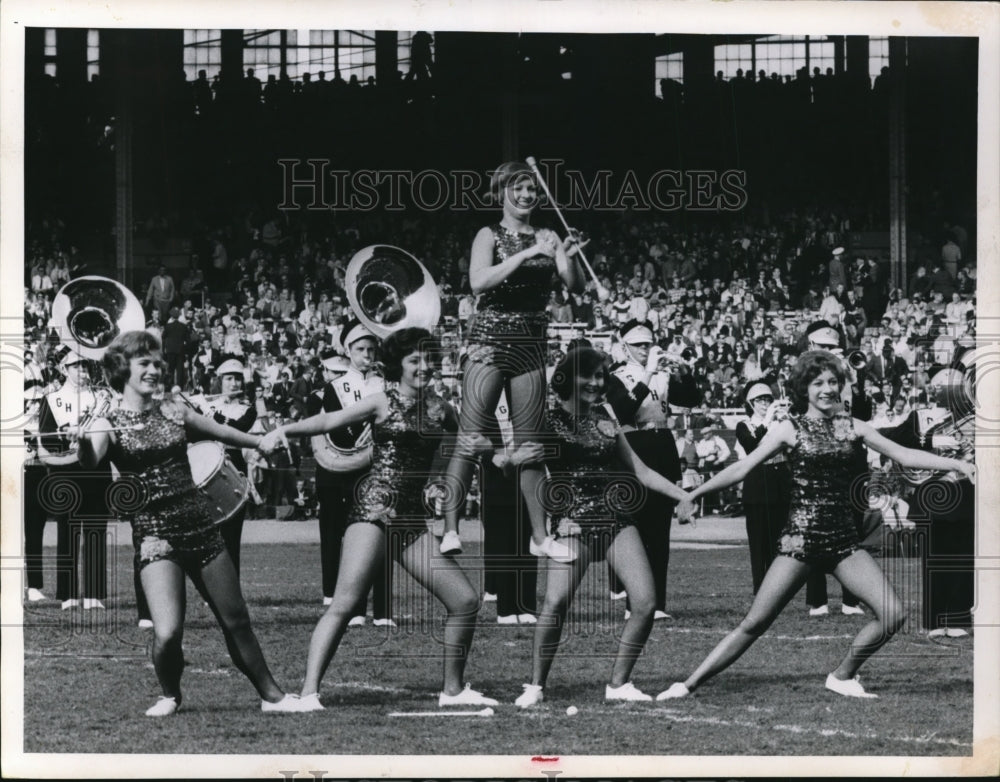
pixel 68 357
pixel 336 364
pixel 230 367
pixel 758 390
pixel 354 331
pixel 822 333
pixel 635 333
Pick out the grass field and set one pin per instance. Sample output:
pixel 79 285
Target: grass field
pixel 88 678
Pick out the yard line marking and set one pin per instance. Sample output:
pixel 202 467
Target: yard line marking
pixel 370 687
pixel 487 712
pixel 675 716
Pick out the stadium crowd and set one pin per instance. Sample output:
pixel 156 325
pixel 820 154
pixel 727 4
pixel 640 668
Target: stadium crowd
pixel 732 301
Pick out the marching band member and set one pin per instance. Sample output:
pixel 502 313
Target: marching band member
pixel 172 530
pixel 767 489
pixel 232 410
pixel 60 415
pixel 641 391
pixel 336 488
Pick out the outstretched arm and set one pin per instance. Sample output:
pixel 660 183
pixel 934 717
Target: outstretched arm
pixel 647 476
pixel 196 423
pixel 776 438
pixel 911 457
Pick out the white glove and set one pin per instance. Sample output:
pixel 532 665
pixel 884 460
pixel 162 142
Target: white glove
pixel 653 361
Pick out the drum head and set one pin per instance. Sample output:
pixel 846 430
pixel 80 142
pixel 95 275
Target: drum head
pixel 205 459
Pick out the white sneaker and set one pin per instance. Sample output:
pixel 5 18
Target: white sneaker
pixel 163 707
pixel 940 632
pixel 145 624
pixel 676 690
pixel 626 692
pixel 531 696
pixel 618 595
pixel 823 610
pixel 68 604
pixel 628 614
pixel 291 702
pixel 551 548
pixel 850 687
pixel 91 603
pixel 34 595
pixel 527 619
pixel 384 623
pixel 327 601
pixel 310 702
pixel 489 597
pixel 357 621
pixel 451 543
pixel 852 610
pixel 957 632
pixel 467 697
pixel 508 619
pixel 661 615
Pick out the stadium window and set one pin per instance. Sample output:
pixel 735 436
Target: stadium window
pixel 878 56
pixel 93 53
pixel 780 54
pixel 668 66
pixel 730 58
pixel 262 52
pixel 202 52
pixel 49 53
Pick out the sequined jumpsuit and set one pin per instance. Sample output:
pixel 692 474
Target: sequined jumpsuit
pixel 584 494
pixel 404 444
pixel 820 528
pixel 170 518
pixel 511 317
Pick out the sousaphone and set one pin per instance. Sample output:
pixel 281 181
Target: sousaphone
pixel 388 290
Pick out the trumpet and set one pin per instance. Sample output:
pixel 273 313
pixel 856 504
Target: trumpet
pixel 856 360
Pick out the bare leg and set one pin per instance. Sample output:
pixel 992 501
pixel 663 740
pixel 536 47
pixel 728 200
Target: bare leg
pixel 784 578
pixel 163 583
pixel 527 408
pixel 219 584
pixel 863 577
pixel 444 579
pixel 363 547
pixel 480 393
pixel 561 582
pixel 627 558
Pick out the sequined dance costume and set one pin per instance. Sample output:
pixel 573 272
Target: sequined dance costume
pixel 511 318
pixel 392 495
pixel 820 528
pixel 583 495
pixel 170 518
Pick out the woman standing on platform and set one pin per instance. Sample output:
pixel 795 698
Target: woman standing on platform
pixel 389 517
pixel 821 442
pixel 172 530
pixel 511 269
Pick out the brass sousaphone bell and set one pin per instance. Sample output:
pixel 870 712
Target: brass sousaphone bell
pixel 89 312
pixel 388 290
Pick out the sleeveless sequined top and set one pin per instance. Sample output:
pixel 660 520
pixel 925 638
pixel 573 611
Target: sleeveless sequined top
pixel 824 462
pixel 156 491
pixel 404 445
pixel 527 288
pixel 584 484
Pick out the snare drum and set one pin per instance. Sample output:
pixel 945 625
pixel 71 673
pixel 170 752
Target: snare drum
pixel 218 480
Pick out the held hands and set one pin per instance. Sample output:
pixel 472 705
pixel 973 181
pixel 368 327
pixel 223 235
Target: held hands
pixel 686 510
pixel 528 453
pixel 271 442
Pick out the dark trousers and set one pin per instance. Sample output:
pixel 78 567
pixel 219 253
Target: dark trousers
pixel 336 493
pixel 175 369
pixel 764 525
pixel 35 516
pixel 948 569
pixel 652 522
pixel 511 571
pixel 81 530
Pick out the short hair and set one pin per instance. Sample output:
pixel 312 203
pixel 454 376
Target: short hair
pixel 811 365
pixel 578 362
pixel 506 174
pixel 118 357
pixel 401 344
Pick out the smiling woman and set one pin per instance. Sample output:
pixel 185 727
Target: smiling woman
pixel 172 531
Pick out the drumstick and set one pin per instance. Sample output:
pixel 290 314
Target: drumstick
pixel 603 294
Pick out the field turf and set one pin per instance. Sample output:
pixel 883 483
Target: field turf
pixel 88 678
